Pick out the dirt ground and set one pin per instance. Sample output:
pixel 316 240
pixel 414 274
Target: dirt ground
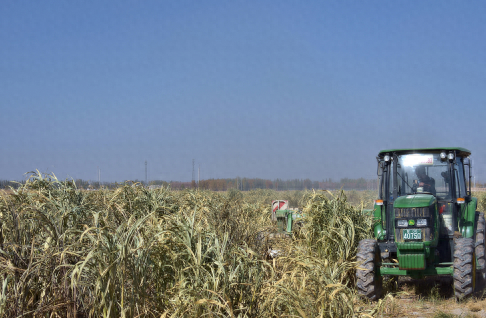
pixel 428 298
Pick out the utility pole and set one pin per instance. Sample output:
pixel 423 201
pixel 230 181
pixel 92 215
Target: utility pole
pixel 99 177
pixel 193 176
pixel 146 180
pixel 198 175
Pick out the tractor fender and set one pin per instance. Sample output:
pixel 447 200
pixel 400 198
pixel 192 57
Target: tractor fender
pixel 468 218
pixel 378 229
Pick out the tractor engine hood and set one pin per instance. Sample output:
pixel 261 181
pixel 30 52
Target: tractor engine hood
pixel 414 201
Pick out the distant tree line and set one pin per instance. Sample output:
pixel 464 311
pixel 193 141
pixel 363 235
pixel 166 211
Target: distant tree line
pixel 80 184
pixel 244 184
pixel 6 184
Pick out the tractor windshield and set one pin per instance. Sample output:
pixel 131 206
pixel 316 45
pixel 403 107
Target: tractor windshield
pixel 421 173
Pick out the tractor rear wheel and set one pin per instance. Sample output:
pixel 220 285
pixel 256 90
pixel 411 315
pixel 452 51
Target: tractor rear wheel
pixel 464 268
pixel 369 283
pixel 480 249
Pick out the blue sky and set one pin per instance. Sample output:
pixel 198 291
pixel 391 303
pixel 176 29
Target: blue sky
pixel 268 89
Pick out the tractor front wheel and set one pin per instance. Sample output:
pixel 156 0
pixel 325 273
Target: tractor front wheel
pixel 369 282
pixel 464 268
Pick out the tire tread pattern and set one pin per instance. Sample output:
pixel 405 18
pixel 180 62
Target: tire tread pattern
pixel 369 284
pixel 480 249
pixel 463 268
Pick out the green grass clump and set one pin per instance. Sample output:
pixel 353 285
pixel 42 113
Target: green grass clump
pixel 441 314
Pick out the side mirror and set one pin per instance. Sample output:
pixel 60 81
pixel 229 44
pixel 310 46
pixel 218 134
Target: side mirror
pixel 379 171
pixel 467 162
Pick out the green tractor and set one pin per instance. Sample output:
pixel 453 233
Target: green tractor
pixel 426 222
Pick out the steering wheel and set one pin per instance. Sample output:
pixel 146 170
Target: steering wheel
pixel 415 186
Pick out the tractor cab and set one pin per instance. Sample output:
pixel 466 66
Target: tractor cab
pixel 424 216
pixel 426 187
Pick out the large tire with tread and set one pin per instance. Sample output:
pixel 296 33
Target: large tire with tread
pixel 369 283
pixel 480 250
pixel 464 268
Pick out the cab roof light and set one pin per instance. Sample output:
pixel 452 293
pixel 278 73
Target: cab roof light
pixel 387 158
pixel 443 155
pixel 450 156
pixel 379 202
pixel 461 200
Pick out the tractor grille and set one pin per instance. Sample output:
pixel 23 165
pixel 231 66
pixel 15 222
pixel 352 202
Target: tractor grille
pixel 416 213
pixel 413 212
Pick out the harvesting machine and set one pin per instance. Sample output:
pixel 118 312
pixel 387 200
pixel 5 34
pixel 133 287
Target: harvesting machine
pixel 286 218
pixel 426 222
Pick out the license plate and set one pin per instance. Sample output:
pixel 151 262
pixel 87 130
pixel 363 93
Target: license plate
pixel 412 234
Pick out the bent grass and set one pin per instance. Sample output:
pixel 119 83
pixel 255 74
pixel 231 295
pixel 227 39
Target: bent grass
pixel 134 252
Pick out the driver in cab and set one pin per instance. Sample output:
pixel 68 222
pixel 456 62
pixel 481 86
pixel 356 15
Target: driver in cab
pixel 424 181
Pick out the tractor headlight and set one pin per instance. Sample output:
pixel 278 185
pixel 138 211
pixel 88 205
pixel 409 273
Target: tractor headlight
pixel 402 223
pixel 443 155
pixel 450 156
pixel 421 222
pixel 387 158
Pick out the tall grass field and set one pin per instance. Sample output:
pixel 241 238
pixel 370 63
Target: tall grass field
pixel 134 252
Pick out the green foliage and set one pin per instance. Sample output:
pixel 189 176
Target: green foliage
pixel 333 228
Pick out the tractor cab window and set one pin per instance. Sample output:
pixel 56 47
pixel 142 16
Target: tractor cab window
pixel 423 173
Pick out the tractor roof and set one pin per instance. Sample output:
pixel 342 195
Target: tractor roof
pixel 463 152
